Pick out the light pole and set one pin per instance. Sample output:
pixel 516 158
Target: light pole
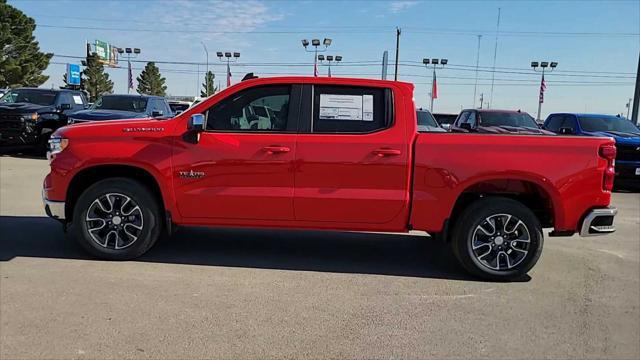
pixel 329 59
pixel 207 70
pixel 129 51
pixel 629 108
pixel 434 84
pixel 543 86
pixel 315 43
pixel 228 56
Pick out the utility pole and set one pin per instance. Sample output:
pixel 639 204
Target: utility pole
pixel 629 107
pixel 475 86
pixel 207 70
pixel 481 100
pixel 398 31
pixel 636 96
pixel 495 56
pixel 543 64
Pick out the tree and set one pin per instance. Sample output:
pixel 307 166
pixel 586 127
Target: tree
pixel 150 82
pixel 21 62
pixel 96 81
pixel 208 85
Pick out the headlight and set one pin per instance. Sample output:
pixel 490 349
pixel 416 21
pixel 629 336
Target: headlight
pixel 30 117
pixel 57 144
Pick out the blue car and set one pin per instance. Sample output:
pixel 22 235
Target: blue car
pixel 625 133
pixel 116 107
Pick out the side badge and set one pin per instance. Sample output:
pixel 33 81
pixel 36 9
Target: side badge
pixel 191 174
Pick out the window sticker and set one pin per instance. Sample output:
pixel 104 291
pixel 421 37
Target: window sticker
pixel 77 99
pixel 346 107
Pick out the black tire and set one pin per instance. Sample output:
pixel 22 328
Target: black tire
pixel 478 214
pixel 149 217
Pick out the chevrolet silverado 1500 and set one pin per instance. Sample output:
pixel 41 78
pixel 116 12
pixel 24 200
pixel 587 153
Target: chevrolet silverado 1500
pixel 333 154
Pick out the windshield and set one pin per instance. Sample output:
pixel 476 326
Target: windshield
pixel 123 103
pixel 425 118
pixel 32 96
pixel 507 119
pixel 591 124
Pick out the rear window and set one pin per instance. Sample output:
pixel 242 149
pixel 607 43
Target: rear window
pixel 426 119
pixel 507 119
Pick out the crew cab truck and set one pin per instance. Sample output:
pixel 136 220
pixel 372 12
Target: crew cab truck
pixel 339 154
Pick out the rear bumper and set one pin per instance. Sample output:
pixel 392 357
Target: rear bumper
pixel 54 209
pixel 599 222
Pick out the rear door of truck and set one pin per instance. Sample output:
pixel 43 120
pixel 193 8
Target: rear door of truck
pixel 352 155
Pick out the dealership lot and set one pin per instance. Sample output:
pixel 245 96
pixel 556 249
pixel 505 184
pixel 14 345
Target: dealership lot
pixel 257 294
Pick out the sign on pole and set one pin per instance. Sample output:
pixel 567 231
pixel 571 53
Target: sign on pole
pixel 73 74
pixel 102 50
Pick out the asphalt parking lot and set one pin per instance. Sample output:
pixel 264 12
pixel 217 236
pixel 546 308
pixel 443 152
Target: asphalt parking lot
pixel 266 294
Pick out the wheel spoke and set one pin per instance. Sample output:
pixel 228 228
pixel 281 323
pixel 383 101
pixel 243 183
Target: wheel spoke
pixel 114 221
pixel 496 249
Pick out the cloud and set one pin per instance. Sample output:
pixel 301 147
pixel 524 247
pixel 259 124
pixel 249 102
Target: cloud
pixel 399 6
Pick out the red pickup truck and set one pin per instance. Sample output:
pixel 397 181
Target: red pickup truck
pixel 332 154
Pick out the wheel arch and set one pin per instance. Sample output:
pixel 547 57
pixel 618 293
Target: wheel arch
pixel 88 176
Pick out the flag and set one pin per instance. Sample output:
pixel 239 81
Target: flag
pixel 434 86
pixel 315 69
pixel 543 87
pixel 329 71
pixel 228 75
pixel 130 83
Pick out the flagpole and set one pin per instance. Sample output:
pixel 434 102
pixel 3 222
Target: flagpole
pixel 433 81
pixel 540 95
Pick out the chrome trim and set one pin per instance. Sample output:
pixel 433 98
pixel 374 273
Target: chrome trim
pixel 600 230
pixel 54 209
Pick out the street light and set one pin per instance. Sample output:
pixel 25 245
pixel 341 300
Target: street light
pixel 315 43
pixel 130 52
pixel 228 57
pixel 329 59
pixel 207 70
pixel 543 65
pixel 434 62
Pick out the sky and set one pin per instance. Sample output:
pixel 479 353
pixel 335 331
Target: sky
pixel 596 45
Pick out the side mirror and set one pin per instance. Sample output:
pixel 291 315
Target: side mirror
pixel 446 126
pixel 156 113
pixel 197 123
pixel 565 131
pixel 65 107
pixel 465 126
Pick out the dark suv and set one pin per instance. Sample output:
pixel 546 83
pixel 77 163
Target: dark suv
pixel 28 116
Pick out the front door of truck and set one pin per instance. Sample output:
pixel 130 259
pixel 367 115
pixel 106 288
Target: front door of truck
pixel 352 159
pixel 242 166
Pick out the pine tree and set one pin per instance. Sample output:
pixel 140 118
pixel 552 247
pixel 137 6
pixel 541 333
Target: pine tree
pixel 21 62
pixel 208 87
pixel 95 80
pixel 150 82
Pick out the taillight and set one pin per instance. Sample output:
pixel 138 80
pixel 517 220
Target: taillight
pixel 608 152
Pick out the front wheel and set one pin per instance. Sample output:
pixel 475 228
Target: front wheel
pixel 497 239
pixel 116 219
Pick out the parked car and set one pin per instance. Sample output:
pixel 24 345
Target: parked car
pixel 426 122
pixel 28 116
pixel 625 133
pixel 445 120
pixel 179 106
pixel 116 107
pixel 344 154
pixel 497 122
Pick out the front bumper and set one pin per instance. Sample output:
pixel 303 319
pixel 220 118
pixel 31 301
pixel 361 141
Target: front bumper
pixel 54 209
pixel 599 222
pixel 627 169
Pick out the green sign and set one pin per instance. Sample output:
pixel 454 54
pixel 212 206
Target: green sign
pixel 103 50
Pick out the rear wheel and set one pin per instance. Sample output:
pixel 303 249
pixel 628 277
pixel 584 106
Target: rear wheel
pixel 116 219
pixel 497 238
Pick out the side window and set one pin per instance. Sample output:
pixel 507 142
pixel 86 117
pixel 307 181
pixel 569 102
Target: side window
pixel 256 109
pixel 554 123
pixel 569 122
pixel 462 118
pixel 472 119
pixel 347 109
